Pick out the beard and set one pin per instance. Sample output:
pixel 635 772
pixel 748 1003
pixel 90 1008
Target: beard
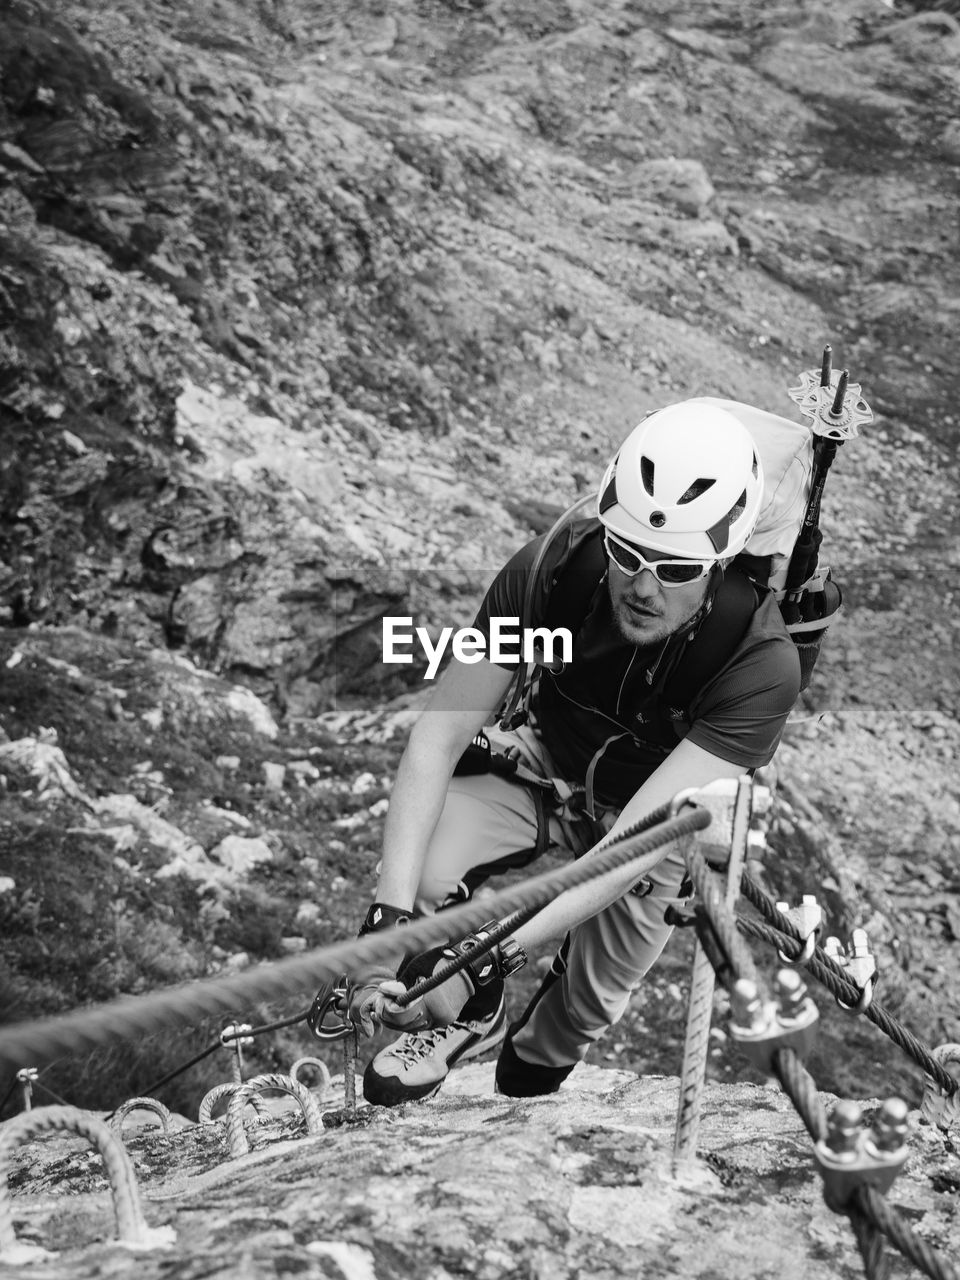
pixel 641 628
pixel 648 622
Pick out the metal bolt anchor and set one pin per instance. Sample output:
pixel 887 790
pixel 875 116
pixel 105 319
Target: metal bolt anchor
pixel 853 1155
pixel 761 1028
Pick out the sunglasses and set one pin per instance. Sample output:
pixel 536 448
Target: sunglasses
pixel 630 559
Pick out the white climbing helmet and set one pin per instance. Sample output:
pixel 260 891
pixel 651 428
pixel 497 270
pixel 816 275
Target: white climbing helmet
pixel 686 482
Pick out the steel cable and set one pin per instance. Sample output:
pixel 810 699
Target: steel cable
pixel 785 936
pixel 185 1005
pixel 871 1204
pixel 866 1202
pixel 38 1084
pixel 504 928
pixel 799 1086
pixel 177 1071
pixel 871 1245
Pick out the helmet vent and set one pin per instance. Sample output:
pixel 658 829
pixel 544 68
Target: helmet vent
pixel 696 489
pixel 646 474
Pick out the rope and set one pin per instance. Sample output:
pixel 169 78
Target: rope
pixel 185 1005
pixel 871 1204
pixel 787 938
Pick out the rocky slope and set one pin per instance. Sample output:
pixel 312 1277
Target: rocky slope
pixel 314 312
pixel 577 1185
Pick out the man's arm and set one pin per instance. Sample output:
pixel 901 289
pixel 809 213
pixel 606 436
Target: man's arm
pixel 465 697
pixel 686 766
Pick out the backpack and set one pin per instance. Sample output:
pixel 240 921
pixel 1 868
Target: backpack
pixel 782 554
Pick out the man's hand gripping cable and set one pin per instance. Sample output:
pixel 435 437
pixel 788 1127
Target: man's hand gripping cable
pixel 130 1017
pixel 403 1007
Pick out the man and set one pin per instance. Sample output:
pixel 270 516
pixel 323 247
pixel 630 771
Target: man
pixel 682 673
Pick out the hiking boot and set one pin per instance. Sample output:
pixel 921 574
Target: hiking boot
pixel 517 1078
pixel 416 1065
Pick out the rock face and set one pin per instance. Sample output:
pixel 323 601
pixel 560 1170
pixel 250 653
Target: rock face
pixel 312 316
pixel 579 1184
pixel 297 305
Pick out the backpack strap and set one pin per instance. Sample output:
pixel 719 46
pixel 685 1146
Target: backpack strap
pixel 713 643
pixel 572 552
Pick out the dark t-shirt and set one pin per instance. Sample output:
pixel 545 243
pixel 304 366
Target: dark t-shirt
pixel 607 708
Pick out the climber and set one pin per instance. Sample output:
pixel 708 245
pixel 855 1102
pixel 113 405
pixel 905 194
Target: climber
pixel 682 674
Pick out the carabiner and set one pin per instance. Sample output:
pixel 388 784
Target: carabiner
pixel 327 1018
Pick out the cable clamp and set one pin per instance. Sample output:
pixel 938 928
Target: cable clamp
pixel 852 1155
pixel 938 1106
pixel 761 1027
pixel 860 966
pixel 235 1034
pixel 807 919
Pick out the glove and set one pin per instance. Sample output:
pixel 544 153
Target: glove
pixel 443 1005
pixel 364 998
pixel 438 1008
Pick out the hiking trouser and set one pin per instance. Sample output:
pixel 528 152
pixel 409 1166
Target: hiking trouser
pixel 490 823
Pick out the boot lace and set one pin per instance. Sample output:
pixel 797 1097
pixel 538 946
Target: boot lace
pixel 421 1044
